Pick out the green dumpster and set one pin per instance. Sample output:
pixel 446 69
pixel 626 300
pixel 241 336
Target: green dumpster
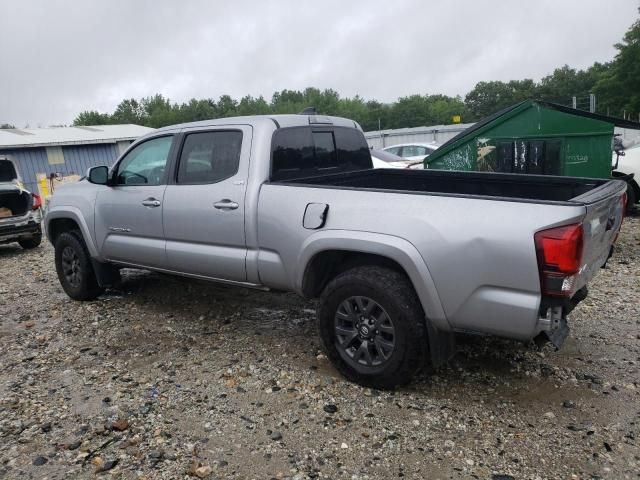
pixel 535 137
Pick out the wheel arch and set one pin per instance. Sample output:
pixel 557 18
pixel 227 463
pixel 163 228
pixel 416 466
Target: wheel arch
pixel 329 253
pixel 60 221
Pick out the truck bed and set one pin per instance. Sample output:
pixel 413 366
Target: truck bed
pixel 537 188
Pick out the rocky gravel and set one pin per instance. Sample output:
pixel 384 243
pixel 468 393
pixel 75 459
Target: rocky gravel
pixel 170 378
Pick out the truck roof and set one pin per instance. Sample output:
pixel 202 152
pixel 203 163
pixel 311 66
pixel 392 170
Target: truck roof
pixel 280 121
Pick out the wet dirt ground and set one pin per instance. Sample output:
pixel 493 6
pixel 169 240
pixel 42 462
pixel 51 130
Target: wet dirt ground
pixel 170 378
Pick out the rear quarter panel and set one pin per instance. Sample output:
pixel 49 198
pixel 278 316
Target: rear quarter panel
pixel 479 253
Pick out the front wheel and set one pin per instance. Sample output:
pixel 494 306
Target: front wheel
pixel 73 265
pixel 371 325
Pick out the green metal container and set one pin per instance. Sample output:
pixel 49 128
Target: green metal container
pixel 533 137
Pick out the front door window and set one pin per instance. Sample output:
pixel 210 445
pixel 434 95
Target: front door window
pixel 146 164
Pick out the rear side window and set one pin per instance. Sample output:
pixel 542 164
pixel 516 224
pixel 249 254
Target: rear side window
pixel 393 150
pixel 307 151
pixel 209 157
pixel 353 151
pixel 414 151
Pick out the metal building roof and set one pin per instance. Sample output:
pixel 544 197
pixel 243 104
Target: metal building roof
pixel 59 136
pixel 417 130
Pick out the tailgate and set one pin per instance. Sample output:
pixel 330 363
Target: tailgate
pixel 604 213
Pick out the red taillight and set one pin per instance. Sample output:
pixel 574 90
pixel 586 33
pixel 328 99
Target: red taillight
pixel 561 248
pixel 37 201
pixel 559 258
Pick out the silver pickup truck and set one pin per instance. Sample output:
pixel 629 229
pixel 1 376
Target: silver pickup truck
pixel 400 260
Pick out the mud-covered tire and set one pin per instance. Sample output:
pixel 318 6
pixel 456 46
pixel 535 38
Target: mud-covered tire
pixel 394 295
pixel 70 249
pixel 32 242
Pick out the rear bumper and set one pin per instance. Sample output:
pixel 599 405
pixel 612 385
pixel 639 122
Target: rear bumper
pixel 12 230
pixel 552 323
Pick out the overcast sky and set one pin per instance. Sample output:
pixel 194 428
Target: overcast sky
pixel 58 58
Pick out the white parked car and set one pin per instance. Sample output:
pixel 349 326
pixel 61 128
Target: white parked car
pixel 382 159
pixel 627 164
pixel 412 152
pixel 630 162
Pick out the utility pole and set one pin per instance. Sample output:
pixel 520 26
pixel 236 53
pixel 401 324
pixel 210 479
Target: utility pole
pixel 574 103
pixel 592 103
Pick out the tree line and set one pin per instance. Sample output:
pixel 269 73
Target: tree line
pixel 616 85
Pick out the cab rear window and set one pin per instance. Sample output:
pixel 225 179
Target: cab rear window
pixel 300 152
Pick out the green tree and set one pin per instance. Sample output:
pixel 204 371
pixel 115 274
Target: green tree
pixel 287 101
pixel 356 109
pixel 618 90
pixel 91 117
pixel 489 97
pixel 379 116
pixel 129 111
pixel 566 82
pixel 159 112
pixel 227 106
pixel 326 102
pixel 442 109
pixel 408 111
pixel 253 106
pixel 196 110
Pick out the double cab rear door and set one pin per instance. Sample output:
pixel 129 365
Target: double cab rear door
pixel 177 203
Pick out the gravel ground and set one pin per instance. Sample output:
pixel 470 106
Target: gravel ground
pixel 168 378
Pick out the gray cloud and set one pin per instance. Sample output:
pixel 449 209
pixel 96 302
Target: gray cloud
pixel 61 57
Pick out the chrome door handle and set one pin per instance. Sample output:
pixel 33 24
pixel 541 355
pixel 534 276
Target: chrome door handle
pixel 151 202
pixel 226 204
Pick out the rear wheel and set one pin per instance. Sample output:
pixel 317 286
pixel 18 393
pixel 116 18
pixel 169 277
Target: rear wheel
pixel 371 325
pixel 73 265
pixel 33 242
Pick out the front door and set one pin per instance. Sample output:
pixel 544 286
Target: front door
pixel 129 212
pixel 204 206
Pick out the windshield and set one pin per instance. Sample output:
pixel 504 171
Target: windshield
pixel 7 171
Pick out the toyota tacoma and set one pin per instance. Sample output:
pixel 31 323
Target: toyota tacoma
pixel 400 260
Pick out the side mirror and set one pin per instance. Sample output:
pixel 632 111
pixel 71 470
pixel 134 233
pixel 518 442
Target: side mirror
pixel 98 175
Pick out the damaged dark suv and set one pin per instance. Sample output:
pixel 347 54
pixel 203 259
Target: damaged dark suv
pixel 20 212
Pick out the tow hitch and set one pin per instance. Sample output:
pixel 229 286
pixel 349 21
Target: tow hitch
pixel 559 334
pixel 552 324
pixel 554 328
